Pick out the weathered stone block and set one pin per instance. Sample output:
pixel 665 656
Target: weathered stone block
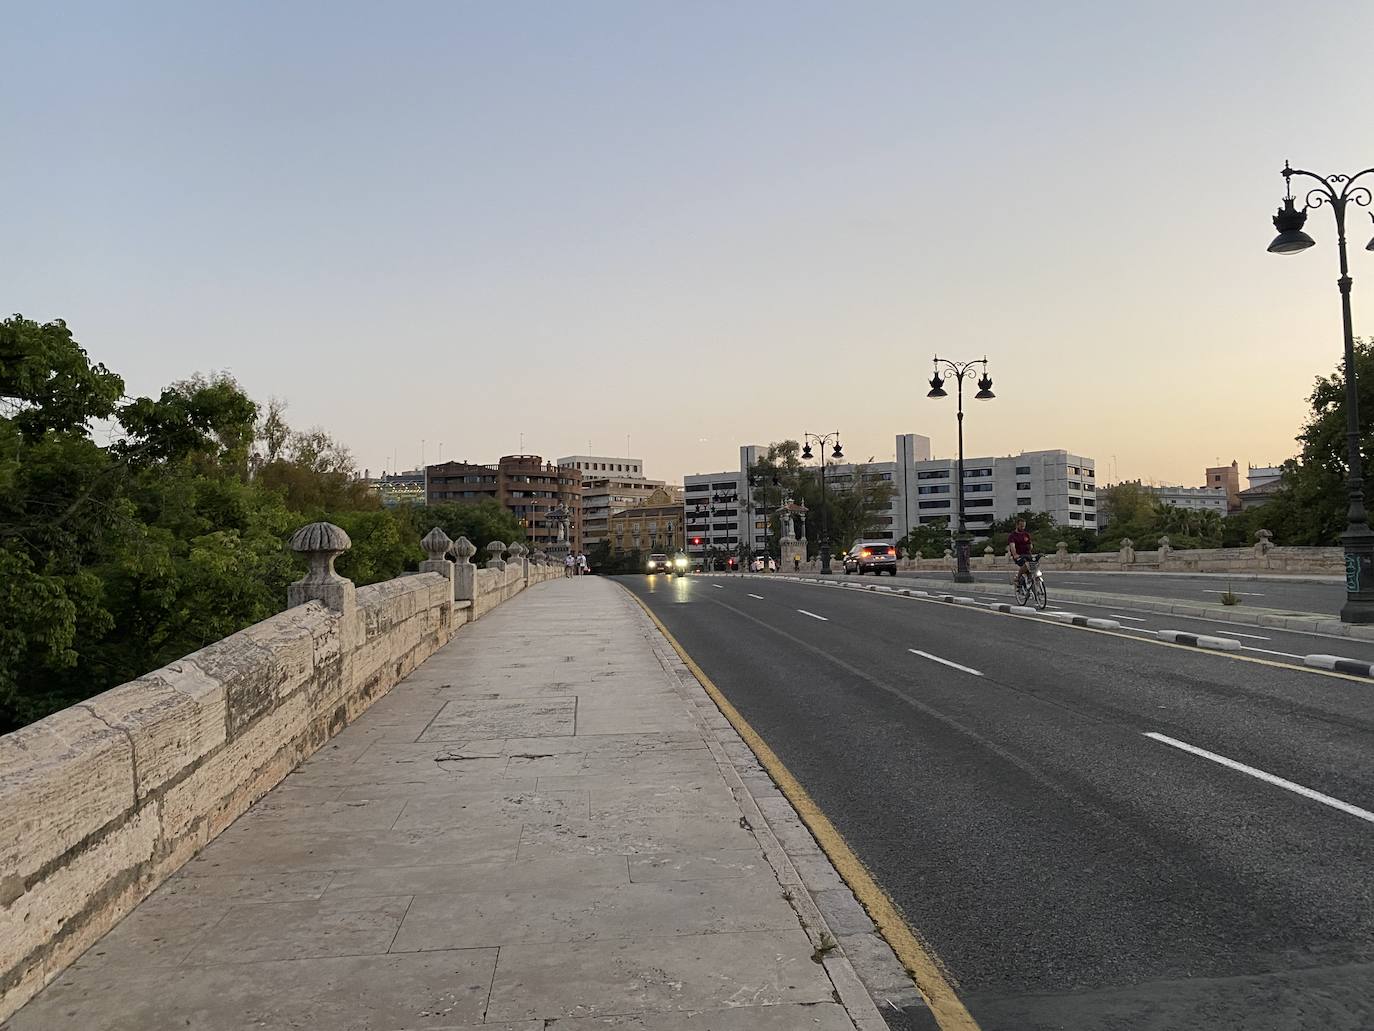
pixel 61 779
pixel 174 717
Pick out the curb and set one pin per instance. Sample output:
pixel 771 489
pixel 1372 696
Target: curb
pixel 1333 663
pixel 1311 622
pixel 857 994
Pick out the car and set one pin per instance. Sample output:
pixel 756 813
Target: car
pixel 659 564
pixel 871 557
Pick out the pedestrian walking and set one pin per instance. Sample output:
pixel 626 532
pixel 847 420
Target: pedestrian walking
pixel 568 563
pixel 796 562
pixel 581 563
pixel 772 566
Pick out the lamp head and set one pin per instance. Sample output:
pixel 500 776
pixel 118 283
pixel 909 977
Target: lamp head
pixel 806 451
pixel 984 388
pixel 837 453
pixel 1289 222
pixel 937 387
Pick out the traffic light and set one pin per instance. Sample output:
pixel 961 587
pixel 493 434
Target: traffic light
pixel 696 540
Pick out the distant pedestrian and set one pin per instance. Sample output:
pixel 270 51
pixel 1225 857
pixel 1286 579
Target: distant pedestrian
pixel 772 565
pixel 581 563
pixel 568 564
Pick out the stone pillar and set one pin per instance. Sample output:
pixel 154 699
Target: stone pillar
pixel 1164 549
pixel 519 558
pixel 1061 550
pixel 987 557
pixel 321 544
pixel 1264 540
pixel 464 572
pixel 1127 554
pixel 494 550
pixel 436 544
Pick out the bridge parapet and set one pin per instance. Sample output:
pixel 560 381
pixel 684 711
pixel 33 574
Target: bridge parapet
pixel 101 802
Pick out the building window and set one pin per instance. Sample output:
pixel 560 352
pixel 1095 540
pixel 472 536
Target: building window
pixel 1089 503
pixel 1075 501
pixel 932 504
pixel 979 503
pixel 977 488
pixel 1089 518
pixel 1023 502
pixel 970 474
pixel 1023 470
pixel 1075 485
pixel 942 488
pixel 1076 515
pixel 933 474
pixel 1091 474
pixel 1073 470
pixel 1024 486
pixel 927 520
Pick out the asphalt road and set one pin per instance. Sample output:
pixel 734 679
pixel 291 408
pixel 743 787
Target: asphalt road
pixel 994 774
pixel 1286 595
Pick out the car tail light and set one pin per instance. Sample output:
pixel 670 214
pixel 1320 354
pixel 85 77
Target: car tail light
pixel 866 553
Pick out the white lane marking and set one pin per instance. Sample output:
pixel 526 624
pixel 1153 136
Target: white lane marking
pixel 1268 778
pixel 718 587
pixel 936 658
pixel 1241 594
pixel 823 619
pixel 1133 619
pixel 1257 637
pixel 758 596
pixel 1270 651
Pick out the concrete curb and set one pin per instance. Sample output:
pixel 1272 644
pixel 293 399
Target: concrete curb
pixel 1312 622
pixel 1220 644
pixel 1340 665
pixel 883 975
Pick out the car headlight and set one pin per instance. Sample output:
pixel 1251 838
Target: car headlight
pixel 682 563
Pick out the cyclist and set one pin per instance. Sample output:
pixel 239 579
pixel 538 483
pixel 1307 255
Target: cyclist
pixel 1020 549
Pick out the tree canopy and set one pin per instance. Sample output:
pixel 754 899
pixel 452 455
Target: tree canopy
pixel 117 559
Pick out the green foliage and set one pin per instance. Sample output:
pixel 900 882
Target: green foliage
pixel 481 523
pixel 849 509
pixel 928 540
pixel 1310 505
pixel 116 560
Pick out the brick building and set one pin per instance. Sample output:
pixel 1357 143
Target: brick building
pixel 525 484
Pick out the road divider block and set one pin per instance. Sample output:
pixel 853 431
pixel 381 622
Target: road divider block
pixel 1339 664
pixel 1023 610
pixel 1216 644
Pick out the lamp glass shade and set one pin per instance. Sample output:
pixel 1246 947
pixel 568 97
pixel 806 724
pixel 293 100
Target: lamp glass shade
pixel 985 394
pixel 1291 242
pixel 1370 245
pixel 806 451
pixel 837 453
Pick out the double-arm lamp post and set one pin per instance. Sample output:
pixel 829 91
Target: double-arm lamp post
pixel 962 573
pixel 757 482
pixel 1339 192
pixel 822 439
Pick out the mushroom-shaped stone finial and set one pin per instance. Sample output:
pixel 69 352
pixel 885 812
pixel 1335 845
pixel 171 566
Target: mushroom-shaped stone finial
pixel 541 556
pixel 987 552
pixel 1127 544
pixel 1264 540
pixel 464 549
pixel 436 544
pixel 516 550
pixel 1164 544
pixel 494 549
pixel 321 544
pixel 1062 549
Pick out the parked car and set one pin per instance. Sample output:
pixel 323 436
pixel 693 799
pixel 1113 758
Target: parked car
pixel 871 557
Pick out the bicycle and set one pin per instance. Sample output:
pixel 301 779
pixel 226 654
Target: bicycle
pixel 1030 584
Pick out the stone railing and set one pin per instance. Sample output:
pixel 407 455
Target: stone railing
pixel 1262 557
pixel 100 802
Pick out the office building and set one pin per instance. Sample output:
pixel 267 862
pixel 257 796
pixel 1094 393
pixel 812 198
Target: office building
pixel 525 484
pixel 601 465
pixel 1227 477
pixel 609 485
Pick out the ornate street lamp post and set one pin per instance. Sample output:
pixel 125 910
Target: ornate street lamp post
pixel 822 439
pixel 962 573
pixel 1338 192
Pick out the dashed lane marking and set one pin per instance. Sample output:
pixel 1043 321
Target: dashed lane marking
pixel 758 596
pixel 823 619
pixel 946 662
pixel 1268 778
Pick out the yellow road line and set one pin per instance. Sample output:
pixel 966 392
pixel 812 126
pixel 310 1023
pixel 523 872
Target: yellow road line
pixel 918 958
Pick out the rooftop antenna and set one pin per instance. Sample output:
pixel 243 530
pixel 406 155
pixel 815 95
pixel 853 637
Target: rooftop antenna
pixel 422 452
pixel 522 443
pixel 441 450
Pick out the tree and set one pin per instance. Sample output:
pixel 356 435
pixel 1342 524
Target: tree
pixel 481 522
pixel 1310 505
pixel 929 540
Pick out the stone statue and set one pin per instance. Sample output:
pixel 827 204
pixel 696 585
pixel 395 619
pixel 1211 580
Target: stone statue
pixel 560 518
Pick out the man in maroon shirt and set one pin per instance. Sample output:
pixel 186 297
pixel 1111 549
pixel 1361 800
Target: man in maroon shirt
pixel 1020 549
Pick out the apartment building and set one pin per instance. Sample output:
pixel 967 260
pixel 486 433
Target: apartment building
pixel 525 484
pixel 610 484
pixel 654 524
pixel 1058 482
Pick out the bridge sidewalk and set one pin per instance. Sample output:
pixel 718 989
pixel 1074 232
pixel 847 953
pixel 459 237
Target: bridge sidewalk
pixel 547 821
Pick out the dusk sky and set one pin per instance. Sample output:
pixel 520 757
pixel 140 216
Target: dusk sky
pixel 697 224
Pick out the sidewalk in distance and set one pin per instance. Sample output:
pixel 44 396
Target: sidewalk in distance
pixel 545 822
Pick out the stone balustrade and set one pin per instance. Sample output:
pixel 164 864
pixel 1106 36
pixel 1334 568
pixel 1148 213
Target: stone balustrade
pixel 101 802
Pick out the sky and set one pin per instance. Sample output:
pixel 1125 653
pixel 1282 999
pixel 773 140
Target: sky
pixel 556 225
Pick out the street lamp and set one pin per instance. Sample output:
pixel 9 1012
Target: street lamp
pixel 1339 191
pixel 756 483
pixel 959 370
pixel 822 439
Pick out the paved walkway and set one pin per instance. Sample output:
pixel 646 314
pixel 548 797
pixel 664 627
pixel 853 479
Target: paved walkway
pixel 545 822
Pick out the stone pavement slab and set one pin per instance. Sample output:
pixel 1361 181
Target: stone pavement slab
pixel 542 823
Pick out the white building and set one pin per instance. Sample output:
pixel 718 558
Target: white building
pixel 1263 475
pixel 923 492
pixel 602 465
